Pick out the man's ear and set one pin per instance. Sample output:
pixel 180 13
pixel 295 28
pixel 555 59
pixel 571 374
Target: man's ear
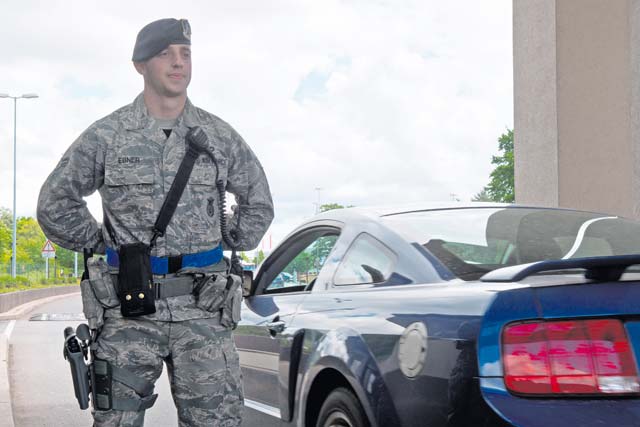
pixel 140 67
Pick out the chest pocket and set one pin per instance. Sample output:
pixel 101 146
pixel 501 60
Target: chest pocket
pixel 129 187
pixel 205 228
pixel 204 172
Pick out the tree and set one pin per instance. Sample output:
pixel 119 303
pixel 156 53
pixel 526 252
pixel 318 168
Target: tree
pixel 259 257
pixel 501 185
pixel 482 196
pixel 302 263
pixel 330 206
pixel 29 242
pixel 5 217
pixel 6 231
pixel 5 244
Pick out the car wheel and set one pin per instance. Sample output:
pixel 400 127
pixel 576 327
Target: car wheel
pixel 342 409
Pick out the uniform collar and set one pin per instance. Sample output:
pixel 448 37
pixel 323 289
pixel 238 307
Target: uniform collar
pixel 137 117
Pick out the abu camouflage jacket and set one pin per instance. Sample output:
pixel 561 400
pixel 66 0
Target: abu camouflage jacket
pixel 131 162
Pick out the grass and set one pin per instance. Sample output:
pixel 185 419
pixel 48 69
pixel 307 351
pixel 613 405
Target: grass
pixel 21 283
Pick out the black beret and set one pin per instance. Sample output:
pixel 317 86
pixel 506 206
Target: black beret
pixel 156 36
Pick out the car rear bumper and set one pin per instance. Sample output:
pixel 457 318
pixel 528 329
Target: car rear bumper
pixel 560 412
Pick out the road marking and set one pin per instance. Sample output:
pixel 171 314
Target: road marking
pixel 9 329
pixel 67 317
pixel 261 407
pixel 5 391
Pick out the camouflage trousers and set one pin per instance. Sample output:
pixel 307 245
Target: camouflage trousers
pixel 202 364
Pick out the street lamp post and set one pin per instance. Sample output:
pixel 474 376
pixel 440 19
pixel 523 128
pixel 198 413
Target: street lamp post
pixel 15 108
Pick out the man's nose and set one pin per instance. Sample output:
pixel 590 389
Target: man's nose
pixel 178 61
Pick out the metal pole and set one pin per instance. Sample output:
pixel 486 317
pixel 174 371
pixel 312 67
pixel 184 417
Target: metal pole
pixel 75 265
pixel 14 254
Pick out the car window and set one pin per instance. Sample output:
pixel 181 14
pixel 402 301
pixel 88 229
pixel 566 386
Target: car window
pixel 473 241
pixel 302 270
pixel 366 261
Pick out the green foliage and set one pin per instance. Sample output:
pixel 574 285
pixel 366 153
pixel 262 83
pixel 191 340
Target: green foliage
pixel 29 242
pixel 259 257
pixel 330 206
pixel 30 239
pixel 501 185
pixel 21 283
pixel 482 196
pixel 6 281
pixel 5 243
pixel 5 217
pixel 303 262
pixel 5 235
pixel 314 256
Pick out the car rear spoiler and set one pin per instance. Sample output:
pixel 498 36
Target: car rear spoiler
pixel 608 268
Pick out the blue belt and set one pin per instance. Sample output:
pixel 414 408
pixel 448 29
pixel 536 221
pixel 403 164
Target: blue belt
pixel 171 264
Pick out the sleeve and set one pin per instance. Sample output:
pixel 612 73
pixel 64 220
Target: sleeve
pixel 247 181
pixel 62 213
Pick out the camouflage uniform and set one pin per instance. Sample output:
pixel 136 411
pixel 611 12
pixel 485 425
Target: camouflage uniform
pixel 131 162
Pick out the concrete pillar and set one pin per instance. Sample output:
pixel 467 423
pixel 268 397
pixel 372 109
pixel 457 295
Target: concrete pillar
pixel 577 104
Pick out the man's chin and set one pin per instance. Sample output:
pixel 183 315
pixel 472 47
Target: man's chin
pixel 175 93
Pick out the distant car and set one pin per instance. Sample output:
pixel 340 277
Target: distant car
pixel 446 315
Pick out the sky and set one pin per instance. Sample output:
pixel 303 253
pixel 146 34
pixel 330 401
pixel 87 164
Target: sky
pixel 360 102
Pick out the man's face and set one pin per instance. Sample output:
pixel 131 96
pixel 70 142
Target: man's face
pixel 169 72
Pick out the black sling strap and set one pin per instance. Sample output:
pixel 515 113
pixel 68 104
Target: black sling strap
pixel 175 192
pixel 196 142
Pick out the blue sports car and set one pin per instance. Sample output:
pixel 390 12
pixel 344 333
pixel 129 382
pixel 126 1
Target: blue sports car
pixel 446 315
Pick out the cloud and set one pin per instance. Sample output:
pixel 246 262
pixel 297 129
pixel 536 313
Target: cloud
pixel 372 101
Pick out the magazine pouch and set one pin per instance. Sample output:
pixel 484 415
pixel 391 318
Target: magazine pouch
pixel 210 292
pixel 230 310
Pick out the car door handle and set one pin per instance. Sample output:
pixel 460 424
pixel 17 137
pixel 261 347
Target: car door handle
pixel 276 326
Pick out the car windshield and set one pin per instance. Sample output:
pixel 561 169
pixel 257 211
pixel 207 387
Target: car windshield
pixel 474 241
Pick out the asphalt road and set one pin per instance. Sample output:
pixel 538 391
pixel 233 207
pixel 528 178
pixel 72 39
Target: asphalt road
pixel 40 379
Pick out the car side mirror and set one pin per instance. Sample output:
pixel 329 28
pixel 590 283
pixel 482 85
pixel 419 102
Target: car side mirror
pixel 247 283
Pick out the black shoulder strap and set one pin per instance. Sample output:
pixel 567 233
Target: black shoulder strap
pixel 175 192
pixel 107 225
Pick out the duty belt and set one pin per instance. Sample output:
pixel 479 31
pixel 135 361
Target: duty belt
pixel 173 286
pixel 166 287
pixel 172 264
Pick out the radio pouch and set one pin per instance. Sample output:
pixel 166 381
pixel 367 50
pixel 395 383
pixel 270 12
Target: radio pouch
pixel 135 280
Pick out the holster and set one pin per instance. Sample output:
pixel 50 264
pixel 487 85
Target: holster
pixel 135 280
pixel 73 352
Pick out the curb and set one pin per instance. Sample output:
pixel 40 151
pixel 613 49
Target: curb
pixel 20 310
pixel 12 300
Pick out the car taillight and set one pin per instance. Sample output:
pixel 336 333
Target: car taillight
pixel 569 357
